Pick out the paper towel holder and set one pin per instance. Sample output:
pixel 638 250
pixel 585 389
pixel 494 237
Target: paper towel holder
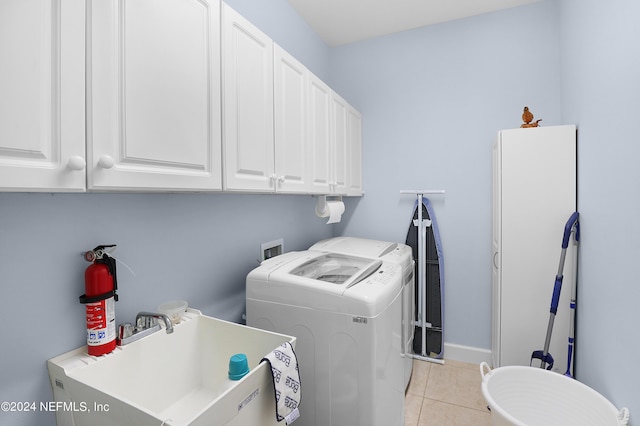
pixel 321 205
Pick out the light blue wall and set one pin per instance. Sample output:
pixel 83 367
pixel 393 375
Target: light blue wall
pixel 197 247
pixel 601 87
pixel 433 100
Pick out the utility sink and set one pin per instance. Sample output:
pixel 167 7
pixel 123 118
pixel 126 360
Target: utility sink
pixel 170 379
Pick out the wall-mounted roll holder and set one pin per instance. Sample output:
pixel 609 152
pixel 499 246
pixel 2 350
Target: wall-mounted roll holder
pixel 330 206
pixel 321 205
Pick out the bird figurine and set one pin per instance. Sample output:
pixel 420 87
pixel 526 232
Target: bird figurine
pixel 527 117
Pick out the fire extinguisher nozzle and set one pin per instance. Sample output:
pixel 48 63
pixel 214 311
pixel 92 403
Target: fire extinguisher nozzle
pixel 89 256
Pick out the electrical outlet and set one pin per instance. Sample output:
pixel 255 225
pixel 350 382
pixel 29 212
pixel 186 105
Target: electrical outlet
pixel 271 249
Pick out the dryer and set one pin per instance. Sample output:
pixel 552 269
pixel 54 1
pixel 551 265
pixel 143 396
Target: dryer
pixel 346 314
pixel 399 254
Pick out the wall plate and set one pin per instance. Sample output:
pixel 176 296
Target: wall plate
pixel 271 249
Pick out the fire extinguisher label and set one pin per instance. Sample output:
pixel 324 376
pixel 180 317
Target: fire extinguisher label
pixel 101 322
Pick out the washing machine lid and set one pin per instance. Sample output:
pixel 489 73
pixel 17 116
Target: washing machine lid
pixel 326 282
pixel 357 246
pixel 386 251
pixel 336 269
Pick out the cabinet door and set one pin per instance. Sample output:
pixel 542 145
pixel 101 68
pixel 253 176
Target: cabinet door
pixel 291 135
pixel 537 196
pixel 42 95
pixel 495 254
pixel 354 152
pixel 248 147
pixel 319 136
pixel 154 120
pixel 339 140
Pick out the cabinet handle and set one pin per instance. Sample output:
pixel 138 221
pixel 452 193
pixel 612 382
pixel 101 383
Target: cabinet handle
pixel 76 163
pixel 106 162
pixel 281 179
pixel 495 255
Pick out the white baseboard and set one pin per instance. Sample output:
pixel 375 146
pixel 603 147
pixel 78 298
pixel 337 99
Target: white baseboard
pixel 466 353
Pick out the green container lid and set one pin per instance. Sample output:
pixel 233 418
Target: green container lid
pixel 238 366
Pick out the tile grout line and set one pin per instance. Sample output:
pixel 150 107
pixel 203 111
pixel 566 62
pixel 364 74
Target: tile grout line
pixel 482 410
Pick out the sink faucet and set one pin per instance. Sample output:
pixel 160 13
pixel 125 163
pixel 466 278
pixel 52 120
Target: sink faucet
pixel 147 319
pixel 146 324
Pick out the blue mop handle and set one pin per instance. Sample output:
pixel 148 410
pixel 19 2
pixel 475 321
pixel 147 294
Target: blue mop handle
pixel 572 303
pixel 573 220
pixel 557 287
pixel 567 229
pixel 569 356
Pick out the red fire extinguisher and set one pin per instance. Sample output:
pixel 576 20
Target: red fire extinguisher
pixel 100 285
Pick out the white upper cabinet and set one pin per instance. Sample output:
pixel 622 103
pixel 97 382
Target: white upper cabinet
pixel 336 142
pixel 319 136
pixel 164 95
pixel 153 101
pixel 284 129
pixel 354 152
pixel 291 80
pixel 248 148
pixel 42 95
pixel 339 144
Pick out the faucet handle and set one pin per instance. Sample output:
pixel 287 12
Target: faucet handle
pixel 144 321
pixel 125 330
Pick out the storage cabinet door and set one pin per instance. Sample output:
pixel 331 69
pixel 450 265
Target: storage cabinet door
pixel 291 133
pixel 496 284
pixel 248 105
pixel 354 152
pixel 339 144
pixel 537 195
pixel 42 131
pixel 154 120
pixel 319 159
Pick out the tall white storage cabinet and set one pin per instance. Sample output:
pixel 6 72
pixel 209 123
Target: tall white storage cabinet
pixel 534 194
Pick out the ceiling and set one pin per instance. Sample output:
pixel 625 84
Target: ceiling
pixel 345 21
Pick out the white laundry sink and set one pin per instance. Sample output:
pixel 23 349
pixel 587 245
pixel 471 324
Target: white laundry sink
pixel 170 379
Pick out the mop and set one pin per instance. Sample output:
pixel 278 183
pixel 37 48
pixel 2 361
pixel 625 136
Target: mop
pixel 572 306
pixel 543 355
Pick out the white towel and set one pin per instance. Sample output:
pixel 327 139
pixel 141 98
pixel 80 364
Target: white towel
pixel 286 382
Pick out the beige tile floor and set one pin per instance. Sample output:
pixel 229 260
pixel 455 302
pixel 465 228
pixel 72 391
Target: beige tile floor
pixel 445 395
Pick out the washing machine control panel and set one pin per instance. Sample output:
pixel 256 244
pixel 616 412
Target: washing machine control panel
pixel 387 275
pixel 377 291
pixel 382 276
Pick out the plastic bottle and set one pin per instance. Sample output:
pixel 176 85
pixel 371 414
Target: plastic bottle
pixel 238 368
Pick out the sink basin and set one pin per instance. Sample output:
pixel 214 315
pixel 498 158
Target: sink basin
pixel 170 379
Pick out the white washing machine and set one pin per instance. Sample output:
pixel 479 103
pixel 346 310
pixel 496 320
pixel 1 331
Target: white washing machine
pixel 386 251
pixel 346 314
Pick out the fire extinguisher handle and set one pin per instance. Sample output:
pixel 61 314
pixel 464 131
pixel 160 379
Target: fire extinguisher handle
pixel 111 264
pixel 98 252
pixel 84 299
pixel 101 250
pixel 104 246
